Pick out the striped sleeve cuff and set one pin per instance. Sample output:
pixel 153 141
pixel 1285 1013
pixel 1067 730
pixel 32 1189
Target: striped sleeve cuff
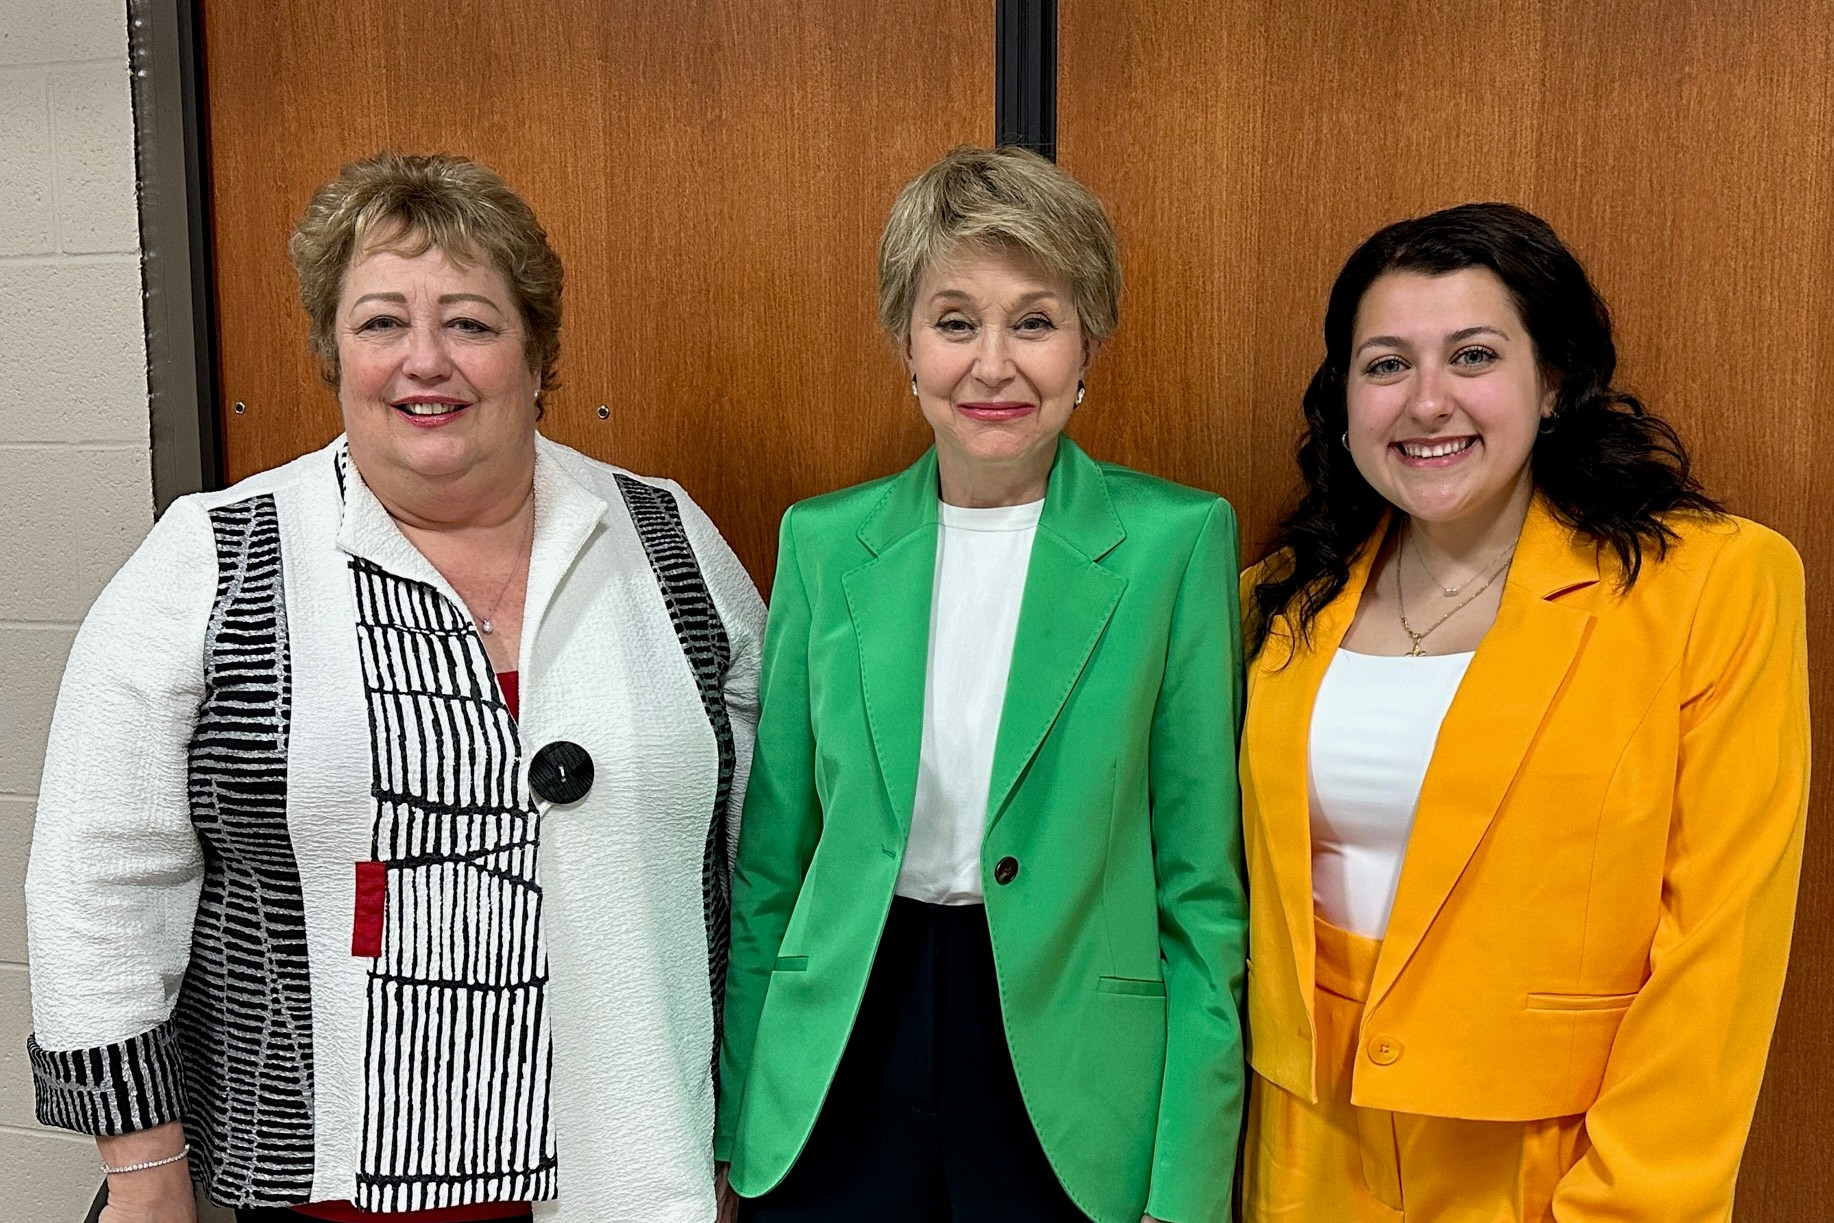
pixel 110 1089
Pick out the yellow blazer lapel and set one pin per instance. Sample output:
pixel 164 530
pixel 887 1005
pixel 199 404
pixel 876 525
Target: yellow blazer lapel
pixel 1068 601
pixel 1279 771
pixel 1513 679
pixel 888 599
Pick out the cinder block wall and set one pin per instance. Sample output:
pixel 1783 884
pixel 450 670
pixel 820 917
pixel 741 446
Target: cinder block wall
pixel 75 487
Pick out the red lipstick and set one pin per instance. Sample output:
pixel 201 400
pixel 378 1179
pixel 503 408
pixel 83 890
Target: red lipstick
pixel 996 411
pixel 415 410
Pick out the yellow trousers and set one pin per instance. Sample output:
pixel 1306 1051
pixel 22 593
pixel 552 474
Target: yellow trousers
pixel 1332 1162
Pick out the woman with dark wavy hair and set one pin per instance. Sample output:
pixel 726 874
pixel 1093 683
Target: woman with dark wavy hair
pixel 1524 768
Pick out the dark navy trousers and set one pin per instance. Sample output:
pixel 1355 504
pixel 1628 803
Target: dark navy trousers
pixel 924 1122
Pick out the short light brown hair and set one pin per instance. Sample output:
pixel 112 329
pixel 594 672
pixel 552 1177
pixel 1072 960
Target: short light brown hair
pixel 1005 198
pixel 411 204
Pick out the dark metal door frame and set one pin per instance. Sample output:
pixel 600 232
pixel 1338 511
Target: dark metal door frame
pixel 173 167
pixel 1025 75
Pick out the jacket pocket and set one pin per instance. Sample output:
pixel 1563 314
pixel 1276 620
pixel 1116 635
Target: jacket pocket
pixel 1130 985
pixel 1580 1002
pixel 792 963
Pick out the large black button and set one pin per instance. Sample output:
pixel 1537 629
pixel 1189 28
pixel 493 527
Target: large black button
pixel 561 772
pixel 1006 870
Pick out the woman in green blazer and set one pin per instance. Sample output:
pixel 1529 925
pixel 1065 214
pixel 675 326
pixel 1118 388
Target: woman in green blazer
pixel 988 912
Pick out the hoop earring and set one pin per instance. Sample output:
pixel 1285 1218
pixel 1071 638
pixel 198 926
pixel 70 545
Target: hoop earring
pixel 1079 393
pixel 1345 439
pixel 1547 425
pixel 913 386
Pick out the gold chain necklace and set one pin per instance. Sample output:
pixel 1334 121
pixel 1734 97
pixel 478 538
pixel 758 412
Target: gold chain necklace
pixel 1401 601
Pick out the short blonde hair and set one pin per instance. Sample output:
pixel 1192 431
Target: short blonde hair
pixel 1008 198
pixel 411 204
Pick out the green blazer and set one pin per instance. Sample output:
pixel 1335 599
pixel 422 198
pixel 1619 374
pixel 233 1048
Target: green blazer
pixel 1119 944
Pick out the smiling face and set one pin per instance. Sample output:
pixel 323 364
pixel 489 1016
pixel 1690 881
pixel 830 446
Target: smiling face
pixel 434 382
pixel 997 350
pixel 1444 396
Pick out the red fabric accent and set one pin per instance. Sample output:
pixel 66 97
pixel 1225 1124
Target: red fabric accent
pixel 344 1212
pixel 511 683
pixel 366 924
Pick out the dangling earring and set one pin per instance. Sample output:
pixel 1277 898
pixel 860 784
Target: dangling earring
pixel 913 385
pixel 1079 394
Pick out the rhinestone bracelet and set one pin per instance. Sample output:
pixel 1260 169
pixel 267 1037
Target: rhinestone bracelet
pixel 151 1163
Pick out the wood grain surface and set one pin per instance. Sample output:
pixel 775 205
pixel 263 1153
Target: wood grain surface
pixel 1683 149
pixel 713 174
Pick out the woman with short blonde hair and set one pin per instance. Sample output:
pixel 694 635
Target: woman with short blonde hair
pixel 988 916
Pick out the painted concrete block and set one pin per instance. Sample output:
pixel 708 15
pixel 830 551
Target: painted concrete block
pixel 92 124
pixel 15 1066
pixel 15 838
pixel 74 364
pixel 50 1175
pixel 27 210
pixel 32 661
pixel 36 32
pixel 76 515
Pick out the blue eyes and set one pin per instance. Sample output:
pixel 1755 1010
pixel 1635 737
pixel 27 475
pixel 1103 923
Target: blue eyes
pixel 388 322
pixel 1474 357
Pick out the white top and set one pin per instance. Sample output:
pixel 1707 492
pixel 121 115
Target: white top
pixel 1373 729
pixel 981 559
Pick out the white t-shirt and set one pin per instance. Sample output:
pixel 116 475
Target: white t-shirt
pixel 1373 729
pixel 981 559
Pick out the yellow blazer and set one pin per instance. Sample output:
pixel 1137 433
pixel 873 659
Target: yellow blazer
pixel 1594 913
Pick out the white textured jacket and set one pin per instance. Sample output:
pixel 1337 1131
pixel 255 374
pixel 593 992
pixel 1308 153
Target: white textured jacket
pixel 290 882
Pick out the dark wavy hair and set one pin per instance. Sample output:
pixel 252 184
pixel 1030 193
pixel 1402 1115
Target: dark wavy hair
pixel 1606 466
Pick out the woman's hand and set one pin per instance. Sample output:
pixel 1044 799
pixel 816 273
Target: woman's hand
pixel 151 1195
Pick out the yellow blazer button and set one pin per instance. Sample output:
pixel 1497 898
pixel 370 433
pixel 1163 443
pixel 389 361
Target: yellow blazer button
pixel 1384 1050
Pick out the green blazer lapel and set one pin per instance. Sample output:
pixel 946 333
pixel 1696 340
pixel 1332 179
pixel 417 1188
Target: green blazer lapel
pixel 1068 600
pixel 888 599
pixel 1518 669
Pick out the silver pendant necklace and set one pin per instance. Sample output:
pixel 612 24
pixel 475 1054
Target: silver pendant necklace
pixel 1451 592
pixel 487 621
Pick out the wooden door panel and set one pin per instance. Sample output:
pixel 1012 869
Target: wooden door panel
pixel 713 175
pixel 1683 150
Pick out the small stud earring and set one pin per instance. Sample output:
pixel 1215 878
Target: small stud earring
pixel 1079 393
